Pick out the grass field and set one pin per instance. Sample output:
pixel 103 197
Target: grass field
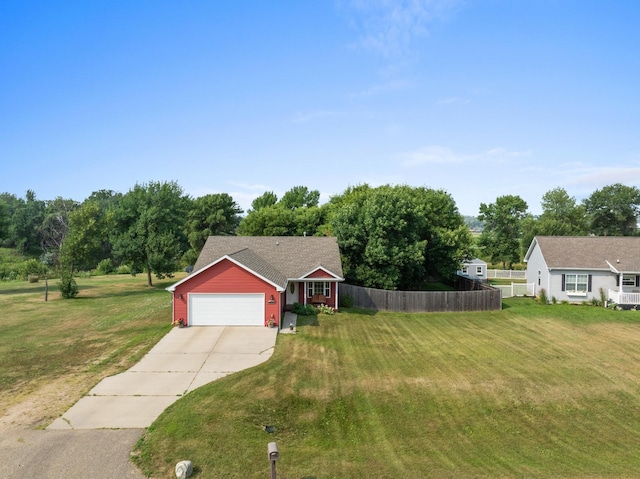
pixel 531 391
pixel 53 352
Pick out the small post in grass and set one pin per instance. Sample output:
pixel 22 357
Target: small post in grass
pixel 274 455
pixel 46 288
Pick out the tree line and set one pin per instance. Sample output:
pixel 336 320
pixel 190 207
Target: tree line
pixel 391 237
pixel 509 228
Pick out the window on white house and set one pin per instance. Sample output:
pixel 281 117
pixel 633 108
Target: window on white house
pixel 319 287
pixel 576 282
pixel 629 280
pixel 465 270
pixel 478 270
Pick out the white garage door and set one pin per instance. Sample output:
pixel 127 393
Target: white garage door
pixel 226 309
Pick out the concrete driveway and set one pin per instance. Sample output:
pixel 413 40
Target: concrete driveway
pixel 185 359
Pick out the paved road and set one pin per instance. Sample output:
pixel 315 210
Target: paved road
pixel 93 439
pixel 79 454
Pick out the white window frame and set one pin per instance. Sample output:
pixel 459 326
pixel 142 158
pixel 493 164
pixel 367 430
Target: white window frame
pixel 573 285
pixel 629 280
pixel 319 287
pixel 478 270
pixel 465 270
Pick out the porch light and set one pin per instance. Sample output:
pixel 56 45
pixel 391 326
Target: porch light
pixel 272 300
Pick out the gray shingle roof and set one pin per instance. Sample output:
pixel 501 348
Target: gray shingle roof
pixel 591 252
pixel 276 258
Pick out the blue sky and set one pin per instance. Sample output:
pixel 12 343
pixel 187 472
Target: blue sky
pixel 481 98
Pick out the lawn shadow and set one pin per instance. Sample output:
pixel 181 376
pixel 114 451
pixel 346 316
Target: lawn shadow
pixel 307 321
pixel 360 311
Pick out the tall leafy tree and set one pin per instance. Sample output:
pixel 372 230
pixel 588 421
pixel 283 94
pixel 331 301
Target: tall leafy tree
pixel 297 213
pixel 395 237
pixel 300 197
pixel 4 220
pixel 449 240
pixel 500 239
pixel 561 216
pixel 149 228
pixel 268 198
pixel 210 215
pixel 55 224
pixel 84 245
pixel 613 210
pixel 268 221
pixel 26 218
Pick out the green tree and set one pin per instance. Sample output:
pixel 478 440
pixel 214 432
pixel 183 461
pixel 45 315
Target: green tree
pixel 268 198
pixel 296 214
pixel 395 237
pixel 84 245
pixel 4 220
pixel 613 210
pixel 561 216
pixel 210 215
pixel 300 197
pixel 149 228
pixel 500 239
pixel 268 221
pixel 25 222
pixel 55 224
pixel 449 241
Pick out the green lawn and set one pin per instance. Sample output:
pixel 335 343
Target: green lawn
pixel 72 344
pixel 531 391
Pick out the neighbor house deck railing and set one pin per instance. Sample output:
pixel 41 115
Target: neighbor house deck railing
pixel 620 297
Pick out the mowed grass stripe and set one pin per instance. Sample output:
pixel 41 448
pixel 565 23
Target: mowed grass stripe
pixel 530 391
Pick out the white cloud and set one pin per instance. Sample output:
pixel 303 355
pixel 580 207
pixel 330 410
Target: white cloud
pixel 440 154
pixel 608 175
pixel 390 27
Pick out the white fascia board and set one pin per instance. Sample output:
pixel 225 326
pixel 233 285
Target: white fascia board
pixel 305 277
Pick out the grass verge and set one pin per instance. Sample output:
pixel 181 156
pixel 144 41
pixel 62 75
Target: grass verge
pixel 530 391
pixel 73 343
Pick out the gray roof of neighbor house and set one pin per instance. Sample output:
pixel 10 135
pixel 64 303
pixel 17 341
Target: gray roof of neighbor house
pixel 276 258
pixel 616 253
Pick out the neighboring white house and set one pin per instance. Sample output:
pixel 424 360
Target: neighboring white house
pixel 582 268
pixel 474 269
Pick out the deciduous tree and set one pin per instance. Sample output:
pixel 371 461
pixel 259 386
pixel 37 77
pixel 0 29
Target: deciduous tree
pixel 500 239
pixel 210 215
pixel 150 225
pixel 613 210
pixel 394 237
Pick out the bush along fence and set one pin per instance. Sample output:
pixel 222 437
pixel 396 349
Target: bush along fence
pixel 477 297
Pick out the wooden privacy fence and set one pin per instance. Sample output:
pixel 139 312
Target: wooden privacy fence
pixel 485 298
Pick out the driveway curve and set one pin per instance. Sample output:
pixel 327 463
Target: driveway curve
pixel 183 360
pixel 95 436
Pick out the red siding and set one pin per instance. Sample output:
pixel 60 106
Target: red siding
pixel 225 277
pixel 304 299
pixel 320 273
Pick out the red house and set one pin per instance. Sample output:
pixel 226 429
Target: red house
pixel 251 280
